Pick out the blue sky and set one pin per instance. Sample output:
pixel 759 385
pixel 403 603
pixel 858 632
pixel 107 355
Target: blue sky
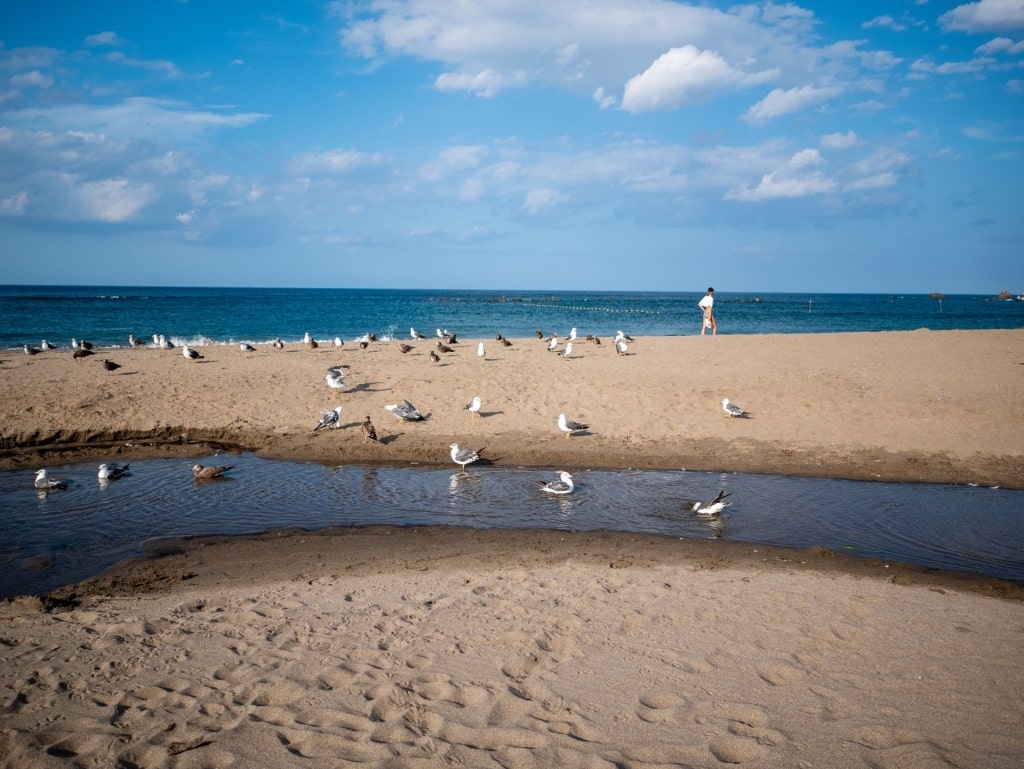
pixel 535 144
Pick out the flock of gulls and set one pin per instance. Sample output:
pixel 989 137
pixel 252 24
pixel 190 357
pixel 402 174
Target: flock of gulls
pixel 404 411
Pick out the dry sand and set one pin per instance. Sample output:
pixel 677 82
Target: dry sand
pixel 446 647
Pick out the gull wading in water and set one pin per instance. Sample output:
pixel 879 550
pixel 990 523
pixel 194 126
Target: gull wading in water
pixel 112 471
pixel 569 427
pixel 732 410
pixel 563 485
pixel 203 472
pixel 329 418
pixel 43 481
pixel 474 405
pixel 463 457
pixel 712 506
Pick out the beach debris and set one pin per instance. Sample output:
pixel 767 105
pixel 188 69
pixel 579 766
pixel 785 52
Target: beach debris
pixel 329 418
pixel 563 485
pixel 569 427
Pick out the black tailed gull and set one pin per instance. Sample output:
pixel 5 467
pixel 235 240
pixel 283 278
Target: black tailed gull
pixel 31 350
pixel 44 345
pixel 474 405
pixel 463 457
pixel 43 481
pixel 329 418
pixel 712 506
pixel 405 411
pixel 732 410
pixel 189 354
pixel 621 347
pixel 112 471
pixel 414 334
pixel 569 427
pixel 246 347
pixel 109 365
pixel 563 485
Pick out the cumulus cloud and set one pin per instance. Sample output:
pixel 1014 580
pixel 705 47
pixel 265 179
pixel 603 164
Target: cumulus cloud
pixel 797 178
pixel 540 199
pixel 453 160
pixel 838 141
pixel 332 162
pixel 486 83
pixel 681 77
pixel 886 21
pixel 784 101
pixel 985 16
pixel 103 38
pixel 33 79
pixel 1000 45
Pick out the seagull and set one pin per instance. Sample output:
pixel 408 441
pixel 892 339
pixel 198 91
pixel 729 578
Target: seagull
pixel 109 365
pixel 363 345
pixel 440 334
pixel 506 342
pixel 540 334
pixel 619 335
pixel 474 405
pixel 312 344
pixel 329 418
pixel 369 431
pixel 480 350
pixel 306 339
pixel 213 471
pixel 80 353
pixel 569 427
pixel 434 356
pixel 335 378
pixel 463 456
pixel 246 347
pixel 405 412
pixel 338 342
pixel 553 342
pixel 441 347
pixel 405 347
pixel 163 344
pixel 83 345
pixel 44 482
pixel 44 345
pixel 567 351
pixel 732 410
pixel 621 347
pixel 112 471
pixel 450 338
pixel 31 350
pixel 278 344
pixel 414 334
pixel 712 506
pixel 572 334
pixel 189 354
pixel 135 342
pixel 563 485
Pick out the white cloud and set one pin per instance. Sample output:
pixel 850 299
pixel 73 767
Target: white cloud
pixel 33 79
pixel 781 102
pixel 886 21
pixel 682 77
pixel 539 200
pixel 604 100
pixel 331 162
pixel 453 160
pixel 107 200
pixel 794 179
pixel 104 38
pixel 486 83
pixel 985 16
pixel 838 141
pixel 1001 45
pixel 14 205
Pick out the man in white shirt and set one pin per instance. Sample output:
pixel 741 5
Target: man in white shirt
pixel 707 304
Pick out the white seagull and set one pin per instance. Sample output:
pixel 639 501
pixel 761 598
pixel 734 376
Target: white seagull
pixel 480 350
pixel 712 506
pixel 474 405
pixel 329 418
pixel 553 342
pixel 43 481
pixel 619 335
pixel 732 410
pixel 463 457
pixel 112 471
pixel 404 411
pixel 336 377
pixel 567 351
pixel 246 347
pixel 572 334
pixel 621 347
pixel 189 354
pixel 563 485
pixel 47 345
pixel 338 342
pixel 414 334
pixel 133 342
pixel 569 427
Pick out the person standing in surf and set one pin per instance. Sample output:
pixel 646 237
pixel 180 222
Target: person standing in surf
pixel 707 306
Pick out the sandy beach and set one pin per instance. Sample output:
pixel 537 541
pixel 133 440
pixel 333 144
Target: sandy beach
pixel 450 647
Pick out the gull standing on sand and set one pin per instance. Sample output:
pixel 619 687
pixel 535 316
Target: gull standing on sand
pixel 565 353
pixel 569 427
pixel 135 342
pixel 563 485
pixel 474 405
pixel 201 472
pixel 463 457
pixel 31 350
pixel 44 345
pixel 414 334
pixel 553 342
pixel 112 471
pixel 189 354
pixel 480 350
pixel 43 481
pixel 109 365
pixel 329 418
pixel 621 347
pixel 246 347
pixel 572 334
pixel 712 506
pixel 404 411
pixel 369 431
pixel 732 410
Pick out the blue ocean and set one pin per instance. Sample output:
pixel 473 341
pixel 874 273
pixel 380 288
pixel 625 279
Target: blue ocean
pixel 52 539
pixel 107 315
